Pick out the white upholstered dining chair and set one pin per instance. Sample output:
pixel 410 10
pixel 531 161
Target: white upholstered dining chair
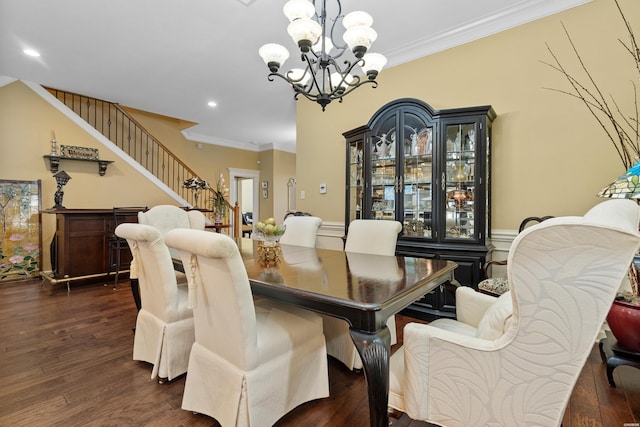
pixel 514 360
pixel 301 231
pixel 168 217
pixel 164 330
pixel 375 237
pixel 253 360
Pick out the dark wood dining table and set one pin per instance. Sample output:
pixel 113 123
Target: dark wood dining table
pixel 365 290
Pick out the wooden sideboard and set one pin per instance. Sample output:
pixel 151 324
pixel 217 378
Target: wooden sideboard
pixel 80 246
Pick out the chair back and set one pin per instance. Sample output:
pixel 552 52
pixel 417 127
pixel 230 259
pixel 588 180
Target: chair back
pixel 223 309
pixel 372 236
pixel 156 275
pixel 301 231
pixel 168 217
pixel 564 274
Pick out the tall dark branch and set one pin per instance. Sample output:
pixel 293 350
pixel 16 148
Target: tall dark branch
pixel 622 130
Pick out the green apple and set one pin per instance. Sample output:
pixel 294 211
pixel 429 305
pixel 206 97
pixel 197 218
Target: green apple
pixel 269 229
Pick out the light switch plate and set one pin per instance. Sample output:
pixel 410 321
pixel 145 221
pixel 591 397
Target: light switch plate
pixel 323 188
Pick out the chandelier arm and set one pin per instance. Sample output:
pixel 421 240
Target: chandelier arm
pixel 341 48
pixel 313 71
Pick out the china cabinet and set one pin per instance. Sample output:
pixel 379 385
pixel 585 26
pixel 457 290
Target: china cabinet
pixel 428 169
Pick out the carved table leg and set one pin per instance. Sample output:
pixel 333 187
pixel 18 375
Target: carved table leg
pixel 374 349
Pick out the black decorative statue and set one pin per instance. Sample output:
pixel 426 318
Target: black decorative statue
pixel 61 178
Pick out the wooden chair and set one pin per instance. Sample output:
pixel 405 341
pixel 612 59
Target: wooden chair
pixel 117 244
pixel 499 285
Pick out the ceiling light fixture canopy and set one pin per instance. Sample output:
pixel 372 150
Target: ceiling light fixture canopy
pixel 323 79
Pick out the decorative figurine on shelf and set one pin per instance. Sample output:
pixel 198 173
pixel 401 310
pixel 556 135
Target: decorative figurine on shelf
pixel 385 147
pixel 197 185
pixel 54 147
pixel 61 178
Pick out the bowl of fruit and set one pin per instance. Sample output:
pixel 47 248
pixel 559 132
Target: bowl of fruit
pixel 267 230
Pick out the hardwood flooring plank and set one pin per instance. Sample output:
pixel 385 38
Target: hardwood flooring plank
pixel 66 360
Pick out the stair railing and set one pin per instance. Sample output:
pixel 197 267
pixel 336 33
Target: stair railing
pixel 128 134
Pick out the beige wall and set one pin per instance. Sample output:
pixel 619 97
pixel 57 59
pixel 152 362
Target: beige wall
pixel 549 155
pixel 276 167
pixel 26 122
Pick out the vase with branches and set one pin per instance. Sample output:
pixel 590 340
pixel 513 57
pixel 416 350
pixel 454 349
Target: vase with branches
pixel 622 130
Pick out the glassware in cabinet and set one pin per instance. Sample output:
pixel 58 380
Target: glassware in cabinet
pixel 459 171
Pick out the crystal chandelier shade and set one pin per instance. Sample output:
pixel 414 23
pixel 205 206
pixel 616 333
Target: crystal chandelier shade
pixel 322 77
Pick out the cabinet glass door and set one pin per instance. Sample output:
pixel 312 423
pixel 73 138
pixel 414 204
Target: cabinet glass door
pixel 356 179
pixel 459 179
pixel 384 181
pixel 417 177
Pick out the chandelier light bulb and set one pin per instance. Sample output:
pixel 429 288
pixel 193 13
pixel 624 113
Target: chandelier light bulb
pixel 305 32
pixel 298 9
pixel 340 82
pixel 274 55
pixel 359 39
pixel 357 18
pixel 373 64
pixel 298 76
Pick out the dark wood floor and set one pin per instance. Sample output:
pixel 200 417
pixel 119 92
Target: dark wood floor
pixel 65 360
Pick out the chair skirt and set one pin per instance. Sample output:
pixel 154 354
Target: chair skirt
pixel 292 373
pixel 165 345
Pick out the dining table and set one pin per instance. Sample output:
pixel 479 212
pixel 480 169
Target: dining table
pixel 363 289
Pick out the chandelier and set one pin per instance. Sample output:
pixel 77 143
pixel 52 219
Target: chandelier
pixel 324 79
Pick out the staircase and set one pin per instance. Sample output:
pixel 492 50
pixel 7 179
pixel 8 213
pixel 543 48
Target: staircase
pixel 126 133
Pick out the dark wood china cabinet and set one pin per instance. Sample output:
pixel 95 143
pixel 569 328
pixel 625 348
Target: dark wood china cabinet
pixel 428 169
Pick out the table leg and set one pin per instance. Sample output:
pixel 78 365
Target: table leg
pixel 374 349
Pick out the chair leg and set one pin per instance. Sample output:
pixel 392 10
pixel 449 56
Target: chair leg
pixel 135 290
pixel 115 282
pixel 111 248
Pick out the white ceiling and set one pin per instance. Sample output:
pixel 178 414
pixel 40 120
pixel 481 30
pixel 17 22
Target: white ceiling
pixel 171 57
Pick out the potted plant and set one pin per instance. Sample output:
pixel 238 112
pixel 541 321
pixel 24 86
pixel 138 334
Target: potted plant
pixel 219 202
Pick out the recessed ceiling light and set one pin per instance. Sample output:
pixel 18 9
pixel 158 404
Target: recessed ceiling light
pixel 31 52
pixel 212 104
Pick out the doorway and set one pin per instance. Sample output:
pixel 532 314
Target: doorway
pixel 244 189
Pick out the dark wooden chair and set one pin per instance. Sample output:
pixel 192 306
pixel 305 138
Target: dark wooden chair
pixel 118 244
pixel 499 285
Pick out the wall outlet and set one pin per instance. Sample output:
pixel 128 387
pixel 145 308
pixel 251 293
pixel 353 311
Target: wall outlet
pixel 302 195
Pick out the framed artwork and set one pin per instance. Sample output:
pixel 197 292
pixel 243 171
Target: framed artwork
pixel 20 229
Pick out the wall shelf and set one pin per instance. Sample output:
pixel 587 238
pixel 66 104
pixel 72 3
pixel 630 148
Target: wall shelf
pixel 54 163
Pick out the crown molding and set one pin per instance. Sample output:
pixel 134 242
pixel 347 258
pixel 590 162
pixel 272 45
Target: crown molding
pixel 519 13
pixel 239 145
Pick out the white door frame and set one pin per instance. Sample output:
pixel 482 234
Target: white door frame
pixel 233 187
